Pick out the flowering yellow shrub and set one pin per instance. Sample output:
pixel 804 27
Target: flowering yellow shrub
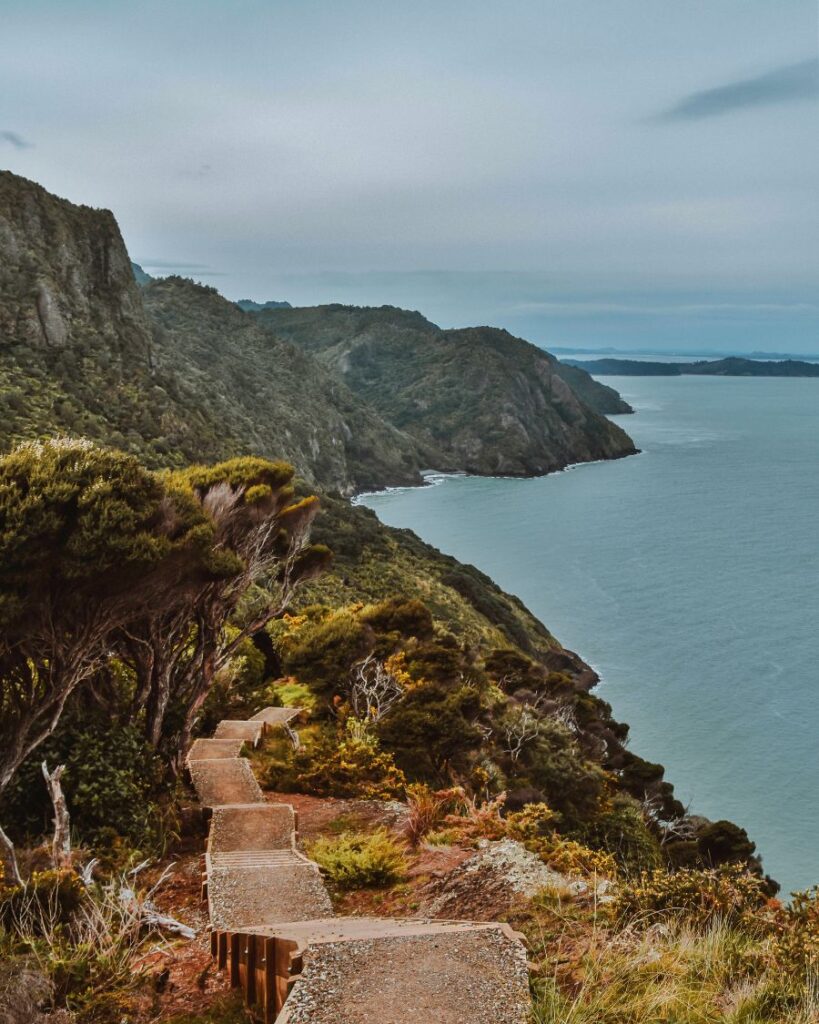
pixel 727 893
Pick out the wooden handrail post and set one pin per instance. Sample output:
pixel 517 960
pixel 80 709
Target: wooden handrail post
pixel 250 969
pixel 235 955
pixel 269 994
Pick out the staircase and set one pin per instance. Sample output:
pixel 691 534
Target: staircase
pixel 273 929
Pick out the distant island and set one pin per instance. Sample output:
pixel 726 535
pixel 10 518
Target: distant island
pixel 733 366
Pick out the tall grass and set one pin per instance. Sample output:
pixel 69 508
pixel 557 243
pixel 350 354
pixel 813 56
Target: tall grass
pixel 674 972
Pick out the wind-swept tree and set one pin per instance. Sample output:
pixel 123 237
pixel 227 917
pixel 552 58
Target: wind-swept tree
pixel 259 554
pixel 88 539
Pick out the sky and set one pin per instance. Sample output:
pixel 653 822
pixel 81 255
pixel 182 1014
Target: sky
pixel 586 173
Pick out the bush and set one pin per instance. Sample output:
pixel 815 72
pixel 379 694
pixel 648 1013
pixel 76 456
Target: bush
pixel 426 810
pixel 622 832
pixel 432 730
pixel 572 858
pixel 532 822
pixel 729 893
pixel 350 768
pixel 356 861
pixel 399 615
pixel 52 895
pixel 112 782
pixel 321 653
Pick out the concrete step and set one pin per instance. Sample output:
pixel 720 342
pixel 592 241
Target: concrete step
pixel 382 971
pixel 252 827
pixel 225 781
pixel 250 898
pixel 250 732
pixel 205 750
pixel 276 716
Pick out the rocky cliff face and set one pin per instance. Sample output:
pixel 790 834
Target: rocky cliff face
pixel 175 373
pixel 355 398
pixel 477 399
pixel 65 277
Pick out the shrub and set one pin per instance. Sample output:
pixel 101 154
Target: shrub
pixel 796 932
pixel 409 617
pixel 289 693
pixel 426 810
pixel 728 893
pixel 572 858
pixel 356 861
pixel 533 822
pixel 351 768
pixel 112 782
pixel 52 895
pixel 432 730
pixel 622 832
pixel 321 653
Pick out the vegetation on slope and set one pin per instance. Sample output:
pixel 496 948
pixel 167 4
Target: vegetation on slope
pixel 190 378
pixel 477 399
pixel 423 681
pixel 175 373
pixel 271 394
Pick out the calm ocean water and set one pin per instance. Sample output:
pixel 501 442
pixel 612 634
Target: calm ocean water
pixel 687 576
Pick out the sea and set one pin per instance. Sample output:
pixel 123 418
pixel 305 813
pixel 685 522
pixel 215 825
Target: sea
pixel 688 577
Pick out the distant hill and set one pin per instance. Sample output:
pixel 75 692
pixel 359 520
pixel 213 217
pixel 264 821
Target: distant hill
pixel 732 366
pixel 272 394
pixel 357 399
pixel 140 276
pixel 249 306
pixel 475 399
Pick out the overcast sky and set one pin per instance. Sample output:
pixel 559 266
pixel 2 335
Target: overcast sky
pixel 584 172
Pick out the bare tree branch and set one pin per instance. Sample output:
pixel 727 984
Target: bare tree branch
pixel 61 843
pixel 374 690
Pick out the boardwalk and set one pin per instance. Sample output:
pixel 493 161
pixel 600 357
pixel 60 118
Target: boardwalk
pixel 273 929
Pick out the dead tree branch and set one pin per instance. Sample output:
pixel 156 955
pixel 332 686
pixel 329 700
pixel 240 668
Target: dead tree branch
pixel 61 843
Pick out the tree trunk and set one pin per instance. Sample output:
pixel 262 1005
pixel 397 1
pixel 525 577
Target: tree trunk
pixel 61 844
pixel 11 873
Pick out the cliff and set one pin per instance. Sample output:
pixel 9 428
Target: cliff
pixel 173 371
pixel 477 400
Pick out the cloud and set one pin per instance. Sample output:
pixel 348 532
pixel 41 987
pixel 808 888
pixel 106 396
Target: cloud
pixel 15 140
pixel 792 82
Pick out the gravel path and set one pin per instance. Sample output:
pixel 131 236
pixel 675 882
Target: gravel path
pixel 249 898
pixel 252 827
pixel 475 977
pixel 225 781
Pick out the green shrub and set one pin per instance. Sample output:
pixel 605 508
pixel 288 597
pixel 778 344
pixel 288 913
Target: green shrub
pixel 399 615
pixel 433 730
pixel 48 895
pixel 356 861
pixel 328 767
pixel 728 893
pixel 321 653
pixel 113 783
pixel 622 832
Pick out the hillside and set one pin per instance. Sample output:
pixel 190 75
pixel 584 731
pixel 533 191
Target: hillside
pixel 357 398
pixel 273 396
pixel 189 378
pixel 731 366
pixel 477 399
